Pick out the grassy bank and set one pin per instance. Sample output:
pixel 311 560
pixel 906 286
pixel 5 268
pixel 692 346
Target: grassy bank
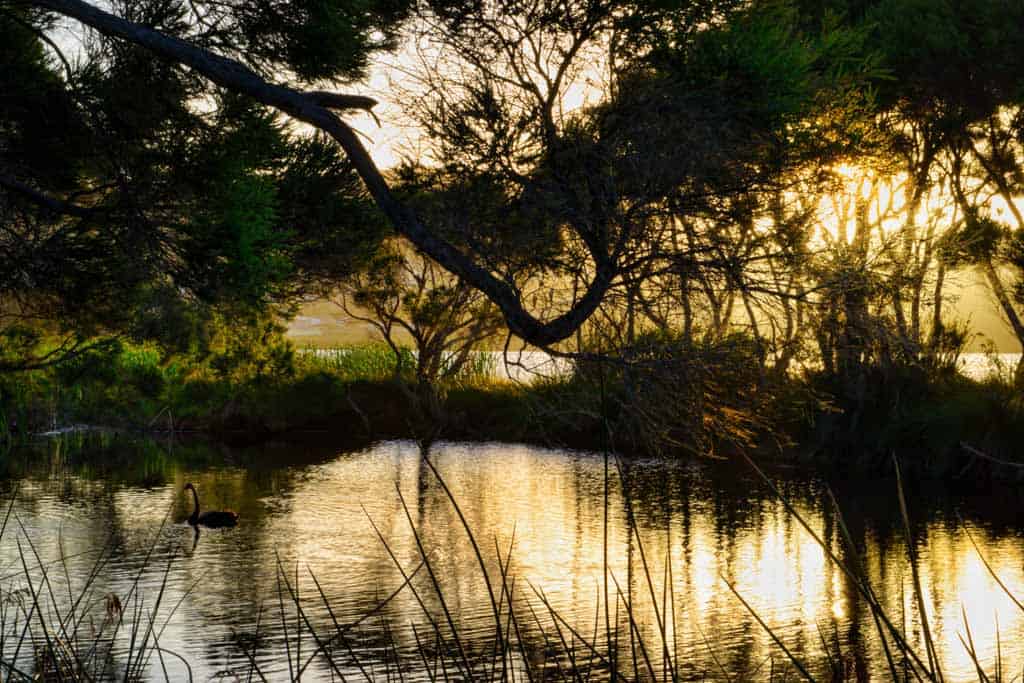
pixel 942 423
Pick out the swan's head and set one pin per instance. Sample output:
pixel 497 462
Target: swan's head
pixel 189 486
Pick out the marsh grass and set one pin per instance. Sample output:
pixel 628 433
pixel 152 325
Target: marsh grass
pixel 367 362
pixel 559 649
pixel 54 630
pixel 378 362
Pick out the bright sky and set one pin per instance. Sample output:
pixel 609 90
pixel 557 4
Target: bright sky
pixel 969 298
pixel 395 79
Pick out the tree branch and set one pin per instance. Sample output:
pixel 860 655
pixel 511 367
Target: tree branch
pixel 334 100
pixel 310 109
pixel 44 200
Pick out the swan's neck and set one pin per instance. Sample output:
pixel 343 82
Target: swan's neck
pixel 195 513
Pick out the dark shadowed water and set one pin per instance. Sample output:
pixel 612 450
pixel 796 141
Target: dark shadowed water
pixel 309 508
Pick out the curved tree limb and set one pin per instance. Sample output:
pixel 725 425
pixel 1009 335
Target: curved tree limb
pixel 42 199
pixel 333 100
pixel 314 108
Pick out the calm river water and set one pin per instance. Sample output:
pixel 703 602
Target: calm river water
pixel 309 508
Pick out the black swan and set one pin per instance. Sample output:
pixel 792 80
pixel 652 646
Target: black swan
pixel 211 518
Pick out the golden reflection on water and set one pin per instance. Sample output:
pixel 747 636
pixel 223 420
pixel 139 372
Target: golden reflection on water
pixel 696 527
pixel 554 506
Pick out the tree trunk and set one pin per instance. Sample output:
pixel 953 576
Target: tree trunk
pixel 1003 297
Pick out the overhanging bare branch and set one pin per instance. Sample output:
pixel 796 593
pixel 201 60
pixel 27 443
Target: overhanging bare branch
pixel 311 108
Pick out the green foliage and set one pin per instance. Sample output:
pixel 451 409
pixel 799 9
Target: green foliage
pixel 276 215
pixel 733 108
pixel 767 55
pixel 978 240
pixel 935 49
pixel 246 346
pixel 950 410
pixel 26 404
pixel 16 342
pixel 173 206
pixel 760 54
pixel 333 226
pixel 144 203
pixel 318 39
pixel 38 121
pixel 482 211
pixel 377 361
pixel 380 282
pixel 237 231
pixel 399 291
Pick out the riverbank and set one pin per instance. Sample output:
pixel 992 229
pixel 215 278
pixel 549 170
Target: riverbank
pixel 944 425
